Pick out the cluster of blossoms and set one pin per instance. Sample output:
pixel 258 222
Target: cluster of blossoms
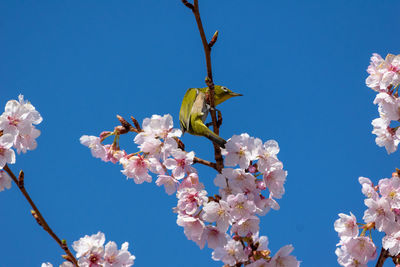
pixel 17 130
pixel 383 214
pixel 384 78
pixel 227 222
pixel 91 252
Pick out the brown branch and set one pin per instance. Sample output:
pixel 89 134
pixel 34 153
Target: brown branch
pixel 189 5
pixel 209 79
pixel 38 216
pixel 205 162
pixel 382 258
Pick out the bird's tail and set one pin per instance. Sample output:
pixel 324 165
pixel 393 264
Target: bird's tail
pixel 216 138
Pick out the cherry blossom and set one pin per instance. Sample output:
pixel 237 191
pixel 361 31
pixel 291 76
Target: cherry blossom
pixel 5 180
pixel 385 135
pixel 283 258
pixel 94 143
pixel 7 155
pixel 180 164
pixel 346 225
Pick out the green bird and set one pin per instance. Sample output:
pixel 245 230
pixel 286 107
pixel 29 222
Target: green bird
pixel 195 107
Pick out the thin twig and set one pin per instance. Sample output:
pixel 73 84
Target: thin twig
pixel 205 162
pixel 209 79
pixel 382 258
pixel 38 216
pixel 189 5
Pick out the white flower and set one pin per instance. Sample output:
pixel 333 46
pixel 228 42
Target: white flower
pixel 88 243
pixel 267 155
pixel 388 106
pixel 97 149
pixel 157 126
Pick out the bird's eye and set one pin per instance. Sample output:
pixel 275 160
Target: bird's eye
pixel 224 88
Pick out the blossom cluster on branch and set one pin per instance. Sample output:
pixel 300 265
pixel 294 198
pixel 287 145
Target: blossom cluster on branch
pixel 384 78
pixel 18 131
pixel 228 222
pixel 91 252
pixel 383 199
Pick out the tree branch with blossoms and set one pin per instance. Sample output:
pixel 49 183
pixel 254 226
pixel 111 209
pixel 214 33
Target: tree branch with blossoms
pixel 17 130
pixel 38 216
pixel 209 78
pixel 383 199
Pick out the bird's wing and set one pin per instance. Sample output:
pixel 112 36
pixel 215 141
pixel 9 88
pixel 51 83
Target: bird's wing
pixel 186 107
pixel 199 109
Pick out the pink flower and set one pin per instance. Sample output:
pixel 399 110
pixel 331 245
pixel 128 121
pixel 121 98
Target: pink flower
pixel 97 149
pixel 379 211
pixel 385 135
pixel 383 73
pixel 193 227
pixel 214 237
pixel 117 258
pixel 5 180
pixel 230 254
pixel 219 213
pixel 239 180
pixel 274 180
pixel 190 199
pixel 267 155
pixel 392 243
pixel 283 258
pixel 136 167
pixel 244 227
pixel 191 181
pixel 7 155
pixel 88 243
pixel 241 149
pixel 157 127
pixel 346 225
pixel 361 248
pixel 368 188
pixel 169 182
pixel 388 106
pixel 241 207
pixel 390 189
pixel 180 164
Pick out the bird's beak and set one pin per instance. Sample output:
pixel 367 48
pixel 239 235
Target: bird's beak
pixel 235 94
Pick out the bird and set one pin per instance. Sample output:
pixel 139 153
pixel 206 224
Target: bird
pixel 194 110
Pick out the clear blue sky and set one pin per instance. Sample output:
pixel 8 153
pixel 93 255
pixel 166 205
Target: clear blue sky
pixel 299 64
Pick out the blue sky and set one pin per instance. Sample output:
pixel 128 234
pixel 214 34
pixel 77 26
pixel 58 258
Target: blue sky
pixel 299 64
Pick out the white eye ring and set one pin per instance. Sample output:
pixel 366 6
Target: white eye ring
pixel 224 88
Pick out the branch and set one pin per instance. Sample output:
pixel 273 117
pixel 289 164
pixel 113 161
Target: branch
pixel 382 258
pixel 38 216
pixel 205 162
pixel 209 79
